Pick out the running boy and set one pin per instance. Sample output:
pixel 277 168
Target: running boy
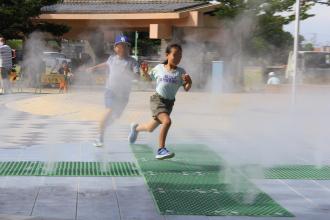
pixel 169 78
pixel 122 69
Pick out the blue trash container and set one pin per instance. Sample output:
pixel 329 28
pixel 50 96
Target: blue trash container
pixel 217 77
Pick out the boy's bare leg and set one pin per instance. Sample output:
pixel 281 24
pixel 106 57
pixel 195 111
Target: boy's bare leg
pixel 149 126
pixel 105 122
pixel 5 85
pixel 136 128
pixel 166 122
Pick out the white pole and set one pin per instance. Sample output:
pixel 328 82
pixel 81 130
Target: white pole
pixel 295 51
pixel 136 45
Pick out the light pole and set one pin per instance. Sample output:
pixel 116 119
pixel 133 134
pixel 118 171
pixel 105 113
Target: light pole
pixel 136 45
pixel 295 51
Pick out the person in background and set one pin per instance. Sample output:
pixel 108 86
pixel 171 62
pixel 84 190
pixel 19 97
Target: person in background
pixel 66 72
pixel 6 64
pixel 273 79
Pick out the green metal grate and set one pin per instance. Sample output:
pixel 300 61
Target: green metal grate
pixel 38 168
pixel 213 203
pixel 195 182
pixel 298 172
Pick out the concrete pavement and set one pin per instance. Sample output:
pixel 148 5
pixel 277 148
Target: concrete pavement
pixel 42 128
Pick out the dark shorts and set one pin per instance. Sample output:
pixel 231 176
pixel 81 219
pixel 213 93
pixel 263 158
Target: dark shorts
pixel 5 72
pixel 115 102
pixel 159 105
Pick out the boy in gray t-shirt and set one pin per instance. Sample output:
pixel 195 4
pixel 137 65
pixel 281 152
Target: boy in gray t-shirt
pixel 122 70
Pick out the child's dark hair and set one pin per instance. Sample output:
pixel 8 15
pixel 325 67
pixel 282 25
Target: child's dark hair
pixel 169 48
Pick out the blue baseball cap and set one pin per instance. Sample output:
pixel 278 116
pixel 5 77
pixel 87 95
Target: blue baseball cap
pixel 122 39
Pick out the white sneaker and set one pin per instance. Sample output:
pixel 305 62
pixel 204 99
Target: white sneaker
pixel 98 143
pixel 163 153
pixel 133 133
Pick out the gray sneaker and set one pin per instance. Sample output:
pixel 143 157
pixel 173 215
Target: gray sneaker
pixel 133 133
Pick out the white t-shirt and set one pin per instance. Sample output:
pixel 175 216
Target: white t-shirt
pixel 273 81
pixel 121 74
pixel 168 82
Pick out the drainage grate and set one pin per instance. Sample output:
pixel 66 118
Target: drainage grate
pixel 195 182
pixel 298 172
pixel 38 168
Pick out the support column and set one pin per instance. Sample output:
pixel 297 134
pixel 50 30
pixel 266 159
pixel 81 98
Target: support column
pixel 160 31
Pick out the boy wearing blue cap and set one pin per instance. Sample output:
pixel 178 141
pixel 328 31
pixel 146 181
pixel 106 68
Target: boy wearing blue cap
pixel 122 69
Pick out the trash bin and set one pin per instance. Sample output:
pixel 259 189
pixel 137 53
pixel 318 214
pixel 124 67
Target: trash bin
pixel 217 77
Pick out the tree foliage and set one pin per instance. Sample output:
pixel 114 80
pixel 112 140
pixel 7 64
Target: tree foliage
pixel 17 18
pixel 267 35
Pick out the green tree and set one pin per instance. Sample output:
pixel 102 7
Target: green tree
pixel 266 35
pixel 17 18
pixel 307 47
pixel 324 2
pixel 146 46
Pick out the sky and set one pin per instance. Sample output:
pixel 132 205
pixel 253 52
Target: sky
pixel 315 29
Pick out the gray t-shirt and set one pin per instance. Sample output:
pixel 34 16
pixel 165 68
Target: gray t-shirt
pixel 121 73
pixel 5 57
pixel 168 82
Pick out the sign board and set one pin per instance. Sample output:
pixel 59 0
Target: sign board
pixel 47 79
pixel 253 78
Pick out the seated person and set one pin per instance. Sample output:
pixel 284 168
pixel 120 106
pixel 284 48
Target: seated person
pixel 273 79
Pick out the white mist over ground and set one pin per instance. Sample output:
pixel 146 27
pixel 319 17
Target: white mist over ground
pixel 268 131
pixel 32 65
pixel 258 128
pixel 245 129
pixel 250 130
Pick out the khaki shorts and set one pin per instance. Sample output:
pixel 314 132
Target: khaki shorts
pixel 159 105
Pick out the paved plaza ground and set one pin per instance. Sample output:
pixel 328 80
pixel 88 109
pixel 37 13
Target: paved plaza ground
pixel 244 130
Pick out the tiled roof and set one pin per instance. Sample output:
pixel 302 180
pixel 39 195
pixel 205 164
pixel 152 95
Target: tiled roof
pixel 121 6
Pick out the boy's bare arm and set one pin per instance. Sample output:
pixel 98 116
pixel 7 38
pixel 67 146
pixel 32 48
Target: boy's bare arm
pixel 99 66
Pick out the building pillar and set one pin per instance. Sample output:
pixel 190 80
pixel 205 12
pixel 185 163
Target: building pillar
pixel 160 31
